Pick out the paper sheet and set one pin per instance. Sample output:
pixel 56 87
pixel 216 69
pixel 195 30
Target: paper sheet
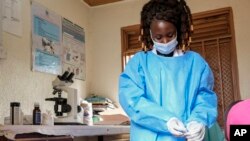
pixel 1 21
pixel 116 119
pixel 3 53
pixel 12 21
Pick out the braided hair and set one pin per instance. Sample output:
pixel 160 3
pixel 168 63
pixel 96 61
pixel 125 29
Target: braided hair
pixel 174 11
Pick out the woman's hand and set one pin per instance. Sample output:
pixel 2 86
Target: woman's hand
pixel 176 127
pixel 196 131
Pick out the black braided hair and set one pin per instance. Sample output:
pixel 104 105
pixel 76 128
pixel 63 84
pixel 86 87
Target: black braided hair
pixel 174 11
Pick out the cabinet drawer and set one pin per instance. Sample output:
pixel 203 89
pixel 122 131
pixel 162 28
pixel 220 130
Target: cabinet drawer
pixel 121 137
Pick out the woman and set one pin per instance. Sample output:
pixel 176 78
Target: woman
pixel 167 91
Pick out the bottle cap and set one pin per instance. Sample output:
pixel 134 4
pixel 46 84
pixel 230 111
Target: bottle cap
pixel 16 104
pixel 36 104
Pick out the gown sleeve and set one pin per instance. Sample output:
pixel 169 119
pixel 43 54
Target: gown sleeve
pixel 205 103
pixel 135 103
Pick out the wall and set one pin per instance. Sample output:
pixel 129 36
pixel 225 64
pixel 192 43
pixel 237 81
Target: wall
pixel 17 81
pixel 106 22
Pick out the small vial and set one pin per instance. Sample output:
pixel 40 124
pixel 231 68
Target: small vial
pixel 36 114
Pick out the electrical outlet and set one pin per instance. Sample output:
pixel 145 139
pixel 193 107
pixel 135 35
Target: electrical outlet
pixel 3 53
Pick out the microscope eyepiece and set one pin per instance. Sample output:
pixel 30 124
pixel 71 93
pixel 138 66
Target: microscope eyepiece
pixel 69 78
pixel 64 76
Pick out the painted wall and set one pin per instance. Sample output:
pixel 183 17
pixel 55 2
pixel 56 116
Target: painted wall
pixel 17 81
pixel 105 28
pixel 106 22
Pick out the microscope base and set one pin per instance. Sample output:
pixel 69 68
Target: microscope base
pixel 69 120
pixel 68 123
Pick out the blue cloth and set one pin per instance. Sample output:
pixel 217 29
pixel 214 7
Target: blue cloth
pixel 152 89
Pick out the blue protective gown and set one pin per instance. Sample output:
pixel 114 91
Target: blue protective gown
pixel 153 89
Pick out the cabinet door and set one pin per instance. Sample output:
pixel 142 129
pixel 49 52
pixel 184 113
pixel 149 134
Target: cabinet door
pixel 213 38
pixel 41 137
pixel 121 137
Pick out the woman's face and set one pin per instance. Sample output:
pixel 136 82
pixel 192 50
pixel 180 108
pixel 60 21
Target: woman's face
pixel 162 31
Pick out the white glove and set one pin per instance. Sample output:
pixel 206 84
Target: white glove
pixel 196 131
pixel 176 127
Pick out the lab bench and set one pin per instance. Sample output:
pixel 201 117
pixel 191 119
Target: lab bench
pixel 63 132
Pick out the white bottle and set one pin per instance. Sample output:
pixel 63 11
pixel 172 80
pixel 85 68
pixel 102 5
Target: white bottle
pixel 88 112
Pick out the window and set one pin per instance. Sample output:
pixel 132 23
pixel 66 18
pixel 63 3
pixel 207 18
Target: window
pixel 130 42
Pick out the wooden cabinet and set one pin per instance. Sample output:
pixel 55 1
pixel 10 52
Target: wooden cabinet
pixel 121 137
pixel 38 137
pixel 214 39
pixel 65 132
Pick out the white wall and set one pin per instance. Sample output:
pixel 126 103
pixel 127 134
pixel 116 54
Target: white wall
pixel 17 81
pixel 105 26
pixel 106 22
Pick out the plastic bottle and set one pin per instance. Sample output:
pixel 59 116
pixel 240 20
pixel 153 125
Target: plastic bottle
pixel 87 112
pixel 36 114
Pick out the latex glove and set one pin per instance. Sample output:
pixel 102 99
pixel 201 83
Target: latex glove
pixel 176 127
pixel 196 131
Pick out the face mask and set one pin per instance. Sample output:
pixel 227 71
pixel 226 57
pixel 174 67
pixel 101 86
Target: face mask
pixel 165 48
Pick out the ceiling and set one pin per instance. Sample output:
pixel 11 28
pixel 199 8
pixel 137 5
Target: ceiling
pixel 99 2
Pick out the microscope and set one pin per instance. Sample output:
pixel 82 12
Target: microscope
pixel 68 110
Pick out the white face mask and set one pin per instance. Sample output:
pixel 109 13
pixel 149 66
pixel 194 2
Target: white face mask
pixel 165 48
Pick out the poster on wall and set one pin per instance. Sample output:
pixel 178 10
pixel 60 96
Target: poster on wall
pixel 46 40
pixel 1 22
pixel 73 40
pixel 12 19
